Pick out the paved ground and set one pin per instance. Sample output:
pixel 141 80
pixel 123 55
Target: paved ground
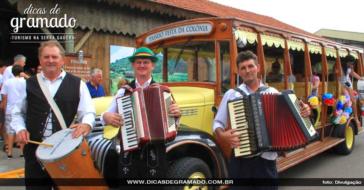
pixel 330 165
pixel 14 163
pixel 326 165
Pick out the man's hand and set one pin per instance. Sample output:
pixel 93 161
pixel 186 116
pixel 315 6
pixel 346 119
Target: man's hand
pixel 113 119
pixel 305 110
pixel 174 110
pixel 230 136
pixel 22 136
pixel 22 74
pixel 80 129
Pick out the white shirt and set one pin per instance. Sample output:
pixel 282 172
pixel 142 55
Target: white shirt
pixel 85 111
pixel 114 107
pixel 221 117
pixel 14 89
pixel 8 74
pixel 347 78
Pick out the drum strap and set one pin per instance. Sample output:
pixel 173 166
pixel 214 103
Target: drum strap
pixel 51 102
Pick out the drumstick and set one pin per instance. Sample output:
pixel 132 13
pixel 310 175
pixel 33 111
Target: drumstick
pixel 40 143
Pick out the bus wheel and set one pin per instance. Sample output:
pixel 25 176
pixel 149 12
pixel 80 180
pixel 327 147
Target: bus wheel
pixel 345 147
pixel 189 168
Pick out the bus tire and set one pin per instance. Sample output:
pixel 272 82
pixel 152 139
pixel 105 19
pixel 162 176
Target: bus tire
pixel 189 168
pixel 348 133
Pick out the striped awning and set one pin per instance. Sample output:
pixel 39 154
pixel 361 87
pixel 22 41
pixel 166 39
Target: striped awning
pixel 272 40
pixel 243 35
pixel 331 52
pixel 296 45
pixel 315 49
pixel 355 54
pixel 343 52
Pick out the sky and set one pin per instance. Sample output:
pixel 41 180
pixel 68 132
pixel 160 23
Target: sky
pixel 309 15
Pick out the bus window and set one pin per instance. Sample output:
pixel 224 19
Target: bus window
pixel 192 61
pixel 316 69
pixel 225 66
pixel 331 85
pixel 274 67
pixel 298 70
pixel 158 69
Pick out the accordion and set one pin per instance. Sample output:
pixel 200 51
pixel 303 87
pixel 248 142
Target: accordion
pixel 269 122
pixel 145 114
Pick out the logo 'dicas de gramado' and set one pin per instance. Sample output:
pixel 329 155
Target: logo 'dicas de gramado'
pixel 36 19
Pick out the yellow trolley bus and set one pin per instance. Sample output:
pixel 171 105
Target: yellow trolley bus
pixel 199 65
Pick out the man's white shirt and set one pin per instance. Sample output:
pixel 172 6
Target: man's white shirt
pixel 8 73
pixel 85 111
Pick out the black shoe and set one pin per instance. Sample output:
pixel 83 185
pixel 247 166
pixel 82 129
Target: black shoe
pixel 10 157
pixel 21 156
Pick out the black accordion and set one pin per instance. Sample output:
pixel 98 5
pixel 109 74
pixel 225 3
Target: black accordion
pixel 269 122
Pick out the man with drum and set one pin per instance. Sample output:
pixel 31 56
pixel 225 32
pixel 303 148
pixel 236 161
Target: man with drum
pixel 263 166
pixel 37 120
pixel 135 163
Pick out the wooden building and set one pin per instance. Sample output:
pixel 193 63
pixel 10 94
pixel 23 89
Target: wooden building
pixel 102 23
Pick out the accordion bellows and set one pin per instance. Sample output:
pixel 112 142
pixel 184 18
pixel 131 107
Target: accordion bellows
pixel 145 113
pixel 269 122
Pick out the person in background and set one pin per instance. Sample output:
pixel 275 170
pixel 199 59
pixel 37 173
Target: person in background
pixel 275 75
pixel 12 93
pixel 94 85
pixel 122 82
pixel 18 60
pixel 2 112
pixel 348 70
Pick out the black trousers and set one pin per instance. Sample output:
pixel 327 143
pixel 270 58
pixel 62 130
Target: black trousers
pixel 253 168
pixel 35 177
pixel 145 163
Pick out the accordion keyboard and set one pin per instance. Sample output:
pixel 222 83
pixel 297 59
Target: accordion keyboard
pixel 239 122
pixel 128 131
pixel 306 121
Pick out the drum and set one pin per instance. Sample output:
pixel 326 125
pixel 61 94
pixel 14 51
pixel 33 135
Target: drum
pixel 69 158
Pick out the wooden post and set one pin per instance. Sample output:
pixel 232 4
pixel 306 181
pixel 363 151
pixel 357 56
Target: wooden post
pixel 218 70
pixel 324 90
pixel 338 73
pixel 287 64
pixel 233 66
pixel 83 40
pixel 308 71
pixel 70 42
pixel 165 65
pixel 360 64
pixel 261 57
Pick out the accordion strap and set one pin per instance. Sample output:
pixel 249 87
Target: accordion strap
pixel 241 91
pixel 260 89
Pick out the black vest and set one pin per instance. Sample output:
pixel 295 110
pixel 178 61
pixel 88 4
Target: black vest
pixel 67 98
pixel 133 85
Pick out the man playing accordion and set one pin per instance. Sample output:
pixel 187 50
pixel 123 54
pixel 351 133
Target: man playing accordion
pixel 263 166
pixel 148 160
